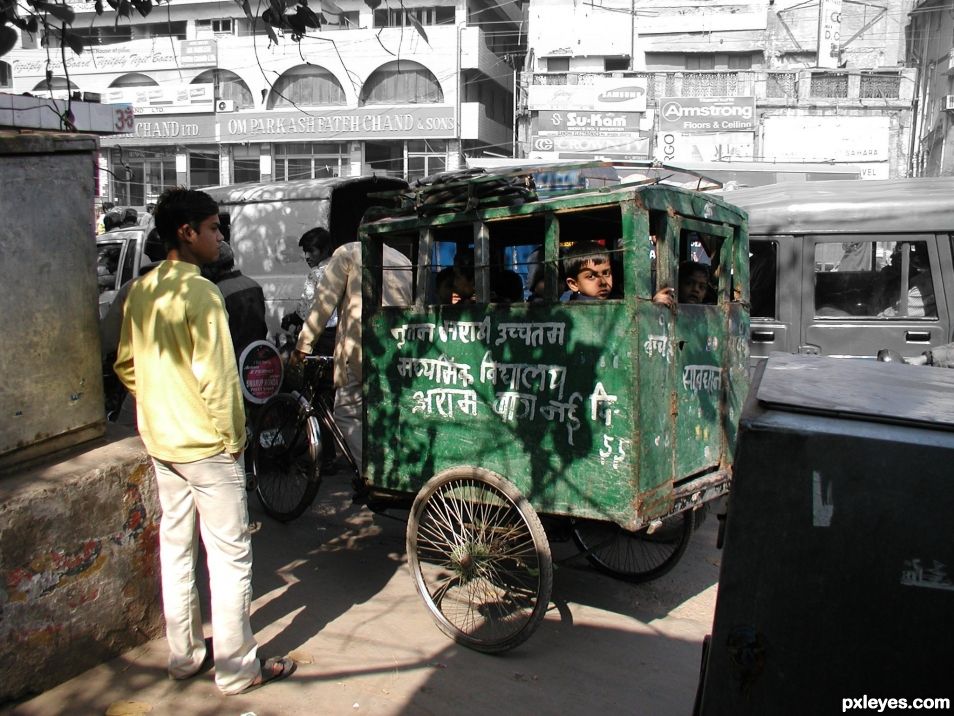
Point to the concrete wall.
(79, 563)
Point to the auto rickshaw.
(507, 419)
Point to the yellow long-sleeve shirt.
(175, 356)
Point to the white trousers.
(210, 492)
(348, 416)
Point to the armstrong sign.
(707, 114)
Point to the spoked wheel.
(480, 559)
(286, 458)
(634, 556)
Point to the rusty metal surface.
(592, 409)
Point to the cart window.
(399, 277)
(874, 279)
(763, 272)
(699, 267)
(516, 258)
(592, 233)
(451, 275)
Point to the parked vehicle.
(845, 268)
(264, 221)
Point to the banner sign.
(415, 122)
(621, 144)
(179, 129)
(627, 94)
(707, 114)
(590, 124)
(694, 147)
(163, 100)
(198, 53)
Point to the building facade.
(212, 101)
(732, 80)
(930, 47)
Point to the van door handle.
(763, 336)
(917, 336)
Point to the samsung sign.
(707, 114)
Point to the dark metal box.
(837, 578)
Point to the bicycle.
(291, 433)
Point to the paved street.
(333, 589)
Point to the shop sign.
(694, 147)
(707, 114)
(590, 124)
(827, 138)
(198, 53)
(184, 129)
(621, 144)
(627, 94)
(135, 56)
(164, 100)
(419, 122)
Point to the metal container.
(837, 579)
(51, 396)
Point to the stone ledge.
(79, 563)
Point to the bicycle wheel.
(634, 556)
(285, 458)
(480, 559)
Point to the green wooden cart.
(510, 419)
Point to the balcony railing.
(775, 86)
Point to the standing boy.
(175, 356)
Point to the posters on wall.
(862, 141)
(677, 147)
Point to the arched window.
(401, 82)
(134, 79)
(306, 86)
(228, 85)
(56, 83)
(6, 75)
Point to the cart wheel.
(634, 556)
(480, 558)
(285, 455)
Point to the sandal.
(272, 669)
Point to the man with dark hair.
(244, 299)
(317, 246)
(175, 357)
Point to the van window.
(873, 278)
(763, 278)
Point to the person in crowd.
(693, 285)
(589, 275)
(921, 301)
(340, 288)
(317, 245)
(455, 284)
(244, 299)
(175, 356)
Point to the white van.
(264, 221)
